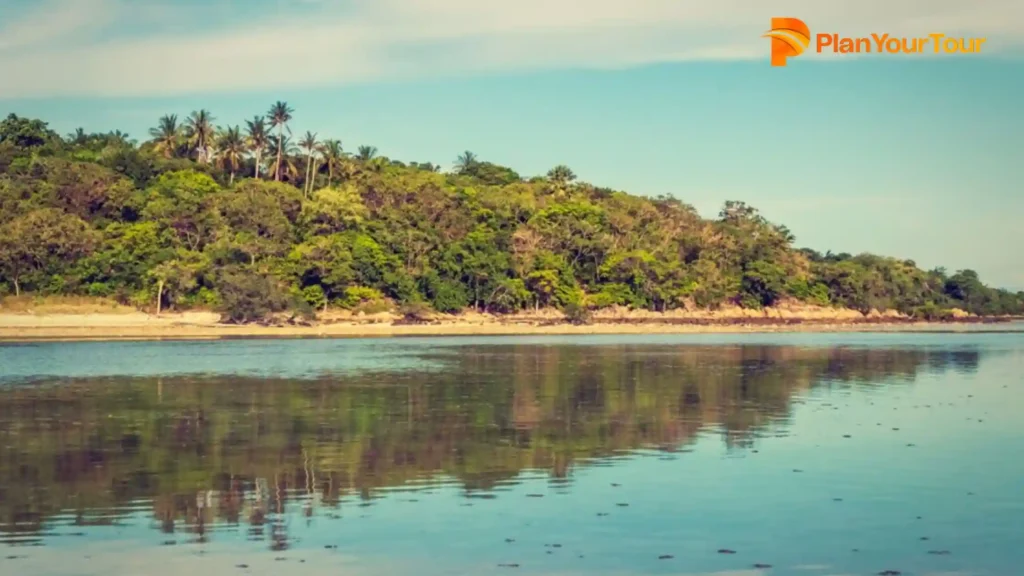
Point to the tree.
(465, 163)
(25, 133)
(257, 226)
(966, 287)
(310, 145)
(324, 261)
(280, 115)
(119, 139)
(231, 147)
(176, 274)
(561, 175)
(763, 284)
(85, 189)
(735, 212)
(41, 241)
(248, 296)
(181, 204)
(256, 140)
(78, 137)
(333, 210)
(286, 161)
(366, 153)
(333, 157)
(98, 215)
(167, 135)
(199, 132)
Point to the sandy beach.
(134, 325)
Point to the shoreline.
(27, 328)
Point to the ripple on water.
(693, 445)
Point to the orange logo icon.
(790, 37)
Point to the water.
(816, 454)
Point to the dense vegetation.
(94, 449)
(251, 222)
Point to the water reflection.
(204, 455)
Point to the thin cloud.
(137, 48)
(53, 21)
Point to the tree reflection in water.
(204, 454)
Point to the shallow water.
(817, 454)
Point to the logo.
(790, 37)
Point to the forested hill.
(250, 220)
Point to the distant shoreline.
(206, 326)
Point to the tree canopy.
(249, 221)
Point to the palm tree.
(561, 175)
(287, 150)
(333, 156)
(78, 137)
(309, 144)
(118, 138)
(256, 139)
(231, 147)
(200, 132)
(465, 162)
(280, 114)
(166, 135)
(367, 153)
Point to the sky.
(916, 156)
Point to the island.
(209, 231)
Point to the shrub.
(314, 296)
(510, 295)
(762, 284)
(932, 313)
(611, 295)
(447, 296)
(250, 297)
(357, 295)
(99, 289)
(577, 314)
(415, 313)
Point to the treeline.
(250, 222)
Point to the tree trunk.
(307, 188)
(280, 143)
(159, 296)
(258, 158)
(231, 180)
(17, 288)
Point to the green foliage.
(612, 295)
(151, 224)
(358, 295)
(763, 284)
(510, 295)
(25, 133)
(314, 296)
(445, 295)
(247, 296)
(931, 312)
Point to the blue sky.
(919, 157)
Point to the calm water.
(815, 454)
